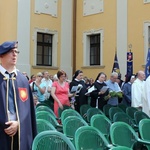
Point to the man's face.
(46, 75)
(10, 58)
(114, 78)
(142, 76)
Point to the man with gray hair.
(48, 83)
(113, 87)
(138, 91)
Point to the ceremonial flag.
(147, 66)
(129, 64)
(116, 65)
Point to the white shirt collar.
(3, 70)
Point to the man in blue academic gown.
(17, 116)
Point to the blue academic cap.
(7, 46)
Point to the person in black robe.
(80, 98)
(17, 127)
(98, 95)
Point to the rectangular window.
(44, 49)
(95, 49)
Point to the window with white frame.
(45, 47)
(94, 49)
(92, 43)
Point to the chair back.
(144, 125)
(83, 110)
(121, 116)
(112, 112)
(139, 115)
(93, 111)
(69, 112)
(45, 108)
(106, 109)
(123, 107)
(130, 111)
(71, 124)
(122, 134)
(44, 125)
(53, 140)
(89, 138)
(47, 116)
(102, 123)
(61, 110)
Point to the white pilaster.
(23, 35)
(122, 45)
(66, 37)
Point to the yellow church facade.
(77, 34)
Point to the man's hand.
(12, 129)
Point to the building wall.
(8, 20)
(122, 22)
(105, 21)
(136, 32)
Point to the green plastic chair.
(123, 107)
(41, 104)
(43, 125)
(106, 109)
(102, 123)
(93, 111)
(69, 112)
(130, 112)
(90, 138)
(144, 126)
(71, 124)
(52, 140)
(83, 110)
(112, 112)
(46, 108)
(123, 117)
(61, 110)
(139, 115)
(123, 134)
(49, 117)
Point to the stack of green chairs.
(123, 134)
(102, 123)
(52, 140)
(44, 125)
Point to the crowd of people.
(19, 95)
(133, 91)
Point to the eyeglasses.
(14, 51)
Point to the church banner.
(116, 65)
(129, 64)
(147, 66)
